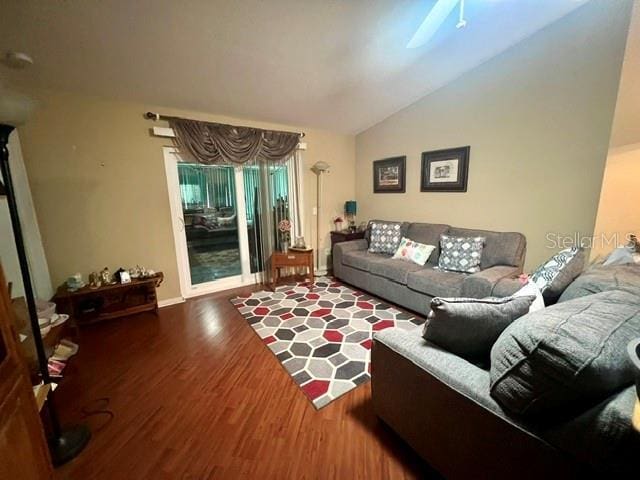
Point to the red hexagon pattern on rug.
(382, 324)
(315, 388)
(332, 335)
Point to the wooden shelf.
(90, 305)
(27, 346)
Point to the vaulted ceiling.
(334, 64)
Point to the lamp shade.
(15, 108)
(320, 167)
(350, 207)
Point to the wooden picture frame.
(445, 170)
(389, 175)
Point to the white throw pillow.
(413, 251)
(528, 289)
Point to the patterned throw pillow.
(385, 237)
(413, 251)
(558, 267)
(460, 254)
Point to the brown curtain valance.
(212, 143)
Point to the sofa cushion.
(394, 269)
(565, 355)
(385, 236)
(602, 279)
(435, 283)
(555, 275)
(469, 326)
(362, 259)
(500, 248)
(428, 233)
(460, 254)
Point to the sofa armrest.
(339, 249)
(343, 247)
(482, 284)
(440, 405)
(449, 368)
(507, 287)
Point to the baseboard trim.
(170, 301)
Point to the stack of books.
(62, 353)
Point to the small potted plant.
(338, 223)
(284, 226)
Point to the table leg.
(274, 272)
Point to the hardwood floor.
(196, 395)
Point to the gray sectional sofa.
(468, 423)
(413, 286)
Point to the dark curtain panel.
(215, 143)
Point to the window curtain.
(270, 197)
(216, 143)
(272, 175)
(205, 188)
(296, 195)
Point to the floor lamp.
(319, 168)
(63, 444)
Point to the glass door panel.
(210, 212)
(254, 178)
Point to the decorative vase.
(338, 226)
(285, 246)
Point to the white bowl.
(59, 319)
(44, 322)
(44, 331)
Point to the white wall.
(40, 279)
(618, 212)
(537, 118)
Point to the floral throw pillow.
(413, 251)
(460, 254)
(385, 237)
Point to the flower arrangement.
(338, 223)
(284, 226)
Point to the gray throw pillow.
(557, 273)
(469, 327)
(384, 237)
(566, 357)
(460, 254)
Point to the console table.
(90, 305)
(290, 259)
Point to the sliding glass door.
(219, 214)
(210, 213)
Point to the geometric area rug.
(321, 333)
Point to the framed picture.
(389, 175)
(445, 170)
(125, 277)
